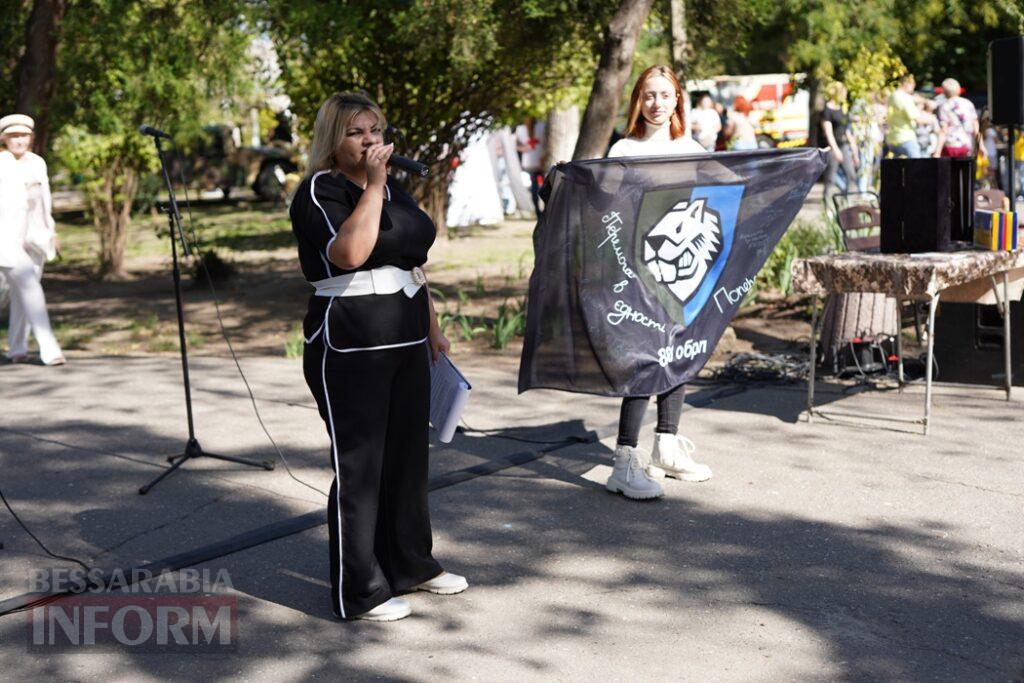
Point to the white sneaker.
(673, 457)
(445, 583)
(392, 610)
(628, 476)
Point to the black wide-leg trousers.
(375, 405)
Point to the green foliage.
(87, 155)
(440, 69)
(933, 38)
(465, 326)
(12, 45)
(802, 240)
(731, 36)
(870, 73)
(127, 62)
(122, 63)
(295, 345)
(510, 322)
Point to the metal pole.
(1006, 333)
(899, 345)
(928, 370)
(1012, 191)
(814, 360)
(176, 270)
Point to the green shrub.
(802, 240)
(511, 321)
(295, 344)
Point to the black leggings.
(375, 405)
(670, 408)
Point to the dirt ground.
(473, 272)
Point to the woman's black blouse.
(321, 204)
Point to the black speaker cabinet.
(969, 344)
(1006, 81)
(927, 204)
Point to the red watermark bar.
(166, 622)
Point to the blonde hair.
(333, 117)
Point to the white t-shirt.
(708, 124)
(532, 158)
(24, 185)
(659, 144)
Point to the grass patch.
(295, 345)
(228, 227)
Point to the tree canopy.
(440, 69)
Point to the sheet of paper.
(449, 393)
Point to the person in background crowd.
(722, 141)
(928, 131)
(989, 136)
(742, 135)
(903, 116)
(27, 240)
(958, 122)
(835, 125)
(866, 131)
(706, 122)
(530, 144)
(1018, 171)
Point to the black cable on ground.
(36, 538)
(464, 428)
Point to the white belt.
(383, 280)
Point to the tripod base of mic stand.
(194, 450)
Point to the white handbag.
(40, 236)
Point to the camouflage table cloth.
(904, 276)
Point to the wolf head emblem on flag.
(682, 245)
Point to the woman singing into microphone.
(369, 328)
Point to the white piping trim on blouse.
(379, 348)
(327, 265)
(325, 329)
(312, 195)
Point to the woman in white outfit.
(656, 127)
(27, 239)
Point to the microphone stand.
(192, 447)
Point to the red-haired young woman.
(656, 127)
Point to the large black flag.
(641, 263)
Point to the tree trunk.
(815, 138)
(677, 30)
(112, 213)
(37, 67)
(561, 133)
(612, 71)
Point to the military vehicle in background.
(217, 161)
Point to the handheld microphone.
(150, 130)
(409, 165)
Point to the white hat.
(16, 123)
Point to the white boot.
(673, 457)
(628, 476)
